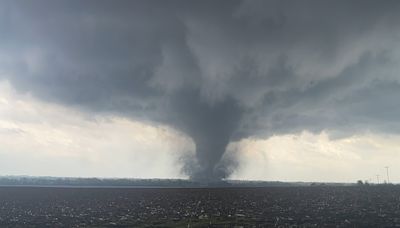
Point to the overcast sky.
(266, 90)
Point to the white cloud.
(39, 138)
(316, 157)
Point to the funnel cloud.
(216, 71)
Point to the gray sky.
(281, 90)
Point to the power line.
(387, 174)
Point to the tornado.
(211, 127)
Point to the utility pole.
(377, 179)
(387, 173)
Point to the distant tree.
(360, 182)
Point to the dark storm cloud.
(218, 71)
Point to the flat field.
(319, 206)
